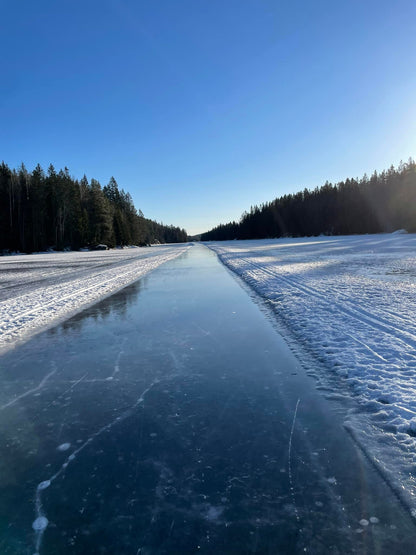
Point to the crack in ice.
(41, 522)
(29, 392)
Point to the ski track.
(351, 301)
(38, 291)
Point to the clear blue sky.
(201, 108)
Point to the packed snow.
(39, 290)
(351, 303)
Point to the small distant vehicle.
(100, 247)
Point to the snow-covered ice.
(40, 290)
(351, 302)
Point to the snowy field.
(351, 303)
(40, 290)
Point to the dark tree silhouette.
(53, 210)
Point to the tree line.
(382, 203)
(41, 210)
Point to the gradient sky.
(201, 108)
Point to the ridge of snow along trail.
(40, 290)
(351, 302)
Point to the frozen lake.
(172, 418)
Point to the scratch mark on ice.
(290, 461)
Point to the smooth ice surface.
(351, 301)
(209, 438)
(39, 290)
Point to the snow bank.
(351, 301)
(38, 291)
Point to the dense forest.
(382, 203)
(41, 210)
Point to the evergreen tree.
(382, 203)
